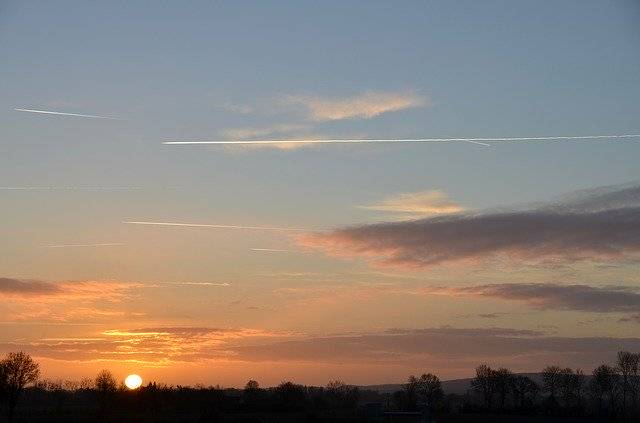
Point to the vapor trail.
(408, 140)
(222, 284)
(272, 250)
(43, 188)
(202, 225)
(106, 244)
(50, 112)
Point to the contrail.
(481, 141)
(44, 188)
(50, 112)
(106, 244)
(202, 225)
(272, 250)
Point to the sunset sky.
(364, 262)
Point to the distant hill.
(453, 386)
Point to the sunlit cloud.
(253, 132)
(549, 233)
(64, 301)
(151, 347)
(453, 347)
(50, 112)
(417, 204)
(66, 289)
(364, 106)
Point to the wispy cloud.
(213, 226)
(64, 301)
(546, 233)
(417, 204)
(254, 132)
(364, 106)
(27, 287)
(51, 112)
(634, 318)
(611, 299)
(151, 346)
(445, 347)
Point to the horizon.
(417, 187)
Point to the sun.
(133, 381)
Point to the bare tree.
(524, 391)
(502, 382)
(551, 378)
(570, 387)
(627, 366)
(483, 384)
(18, 370)
(430, 389)
(106, 387)
(602, 386)
(410, 394)
(342, 395)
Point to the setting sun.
(133, 381)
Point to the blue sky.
(203, 70)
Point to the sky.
(215, 264)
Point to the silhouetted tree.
(524, 391)
(18, 371)
(106, 386)
(341, 395)
(483, 383)
(627, 365)
(251, 393)
(251, 385)
(551, 377)
(291, 396)
(502, 383)
(409, 398)
(430, 389)
(570, 387)
(602, 386)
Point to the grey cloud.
(555, 296)
(27, 287)
(598, 225)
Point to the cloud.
(253, 132)
(555, 296)
(151, 346)
(549, 233)
(364, 106)
(66, 301)
(418, 204)
(20, 287)
(445, 347)
(27, 288)
(634, 318)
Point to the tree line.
(609, 392)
